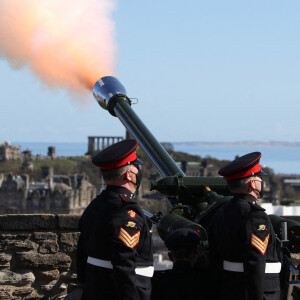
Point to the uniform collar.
(249, 198)
(117, 189)
(124, 193)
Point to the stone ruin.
(58, 194)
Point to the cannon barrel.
(176, 185)
(111, 95)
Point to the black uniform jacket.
(183, 282)
(241, 232)
(113, 228)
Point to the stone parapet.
(37, 256)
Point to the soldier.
(185, 280)
(242, 241)
(114, 256)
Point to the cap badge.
(131, 224)
(262, 228)
(131, 213)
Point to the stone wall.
(37, 256)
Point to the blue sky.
(201, 70)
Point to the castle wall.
(37, 256)
(18, 196)
(10, 152)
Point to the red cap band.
(120, 163)
(246, 173)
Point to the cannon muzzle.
(106, 90)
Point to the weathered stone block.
(28, 222)
(68, 277)
(17, 279)
(48, 247)
(68, 222)
(54, 285)
(47, 242)
(6, 292)
(22, 245)
(47, 275)
(19, 241)
(54, 288)
(49, 236)
(21, 292)
(68, 241)
(5, 259)
(32, 259)
(10, 236)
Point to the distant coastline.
(194, 143)
(282, 157)
(243, 144)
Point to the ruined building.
(98, 143)
(10, 152)
(56, 194)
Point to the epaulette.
(252, 202)
(255, 206)
(128, 197)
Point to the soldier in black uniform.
(186, 280)
(114, 255)
(242, 241)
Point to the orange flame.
(68, 44)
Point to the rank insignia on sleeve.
(127, 239)
(260, 244)
(131, 213)
(131, 224)
(262, 228)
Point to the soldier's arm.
(257, 238)
(127, 228)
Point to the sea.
(283, 160)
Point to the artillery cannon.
(193, 199)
